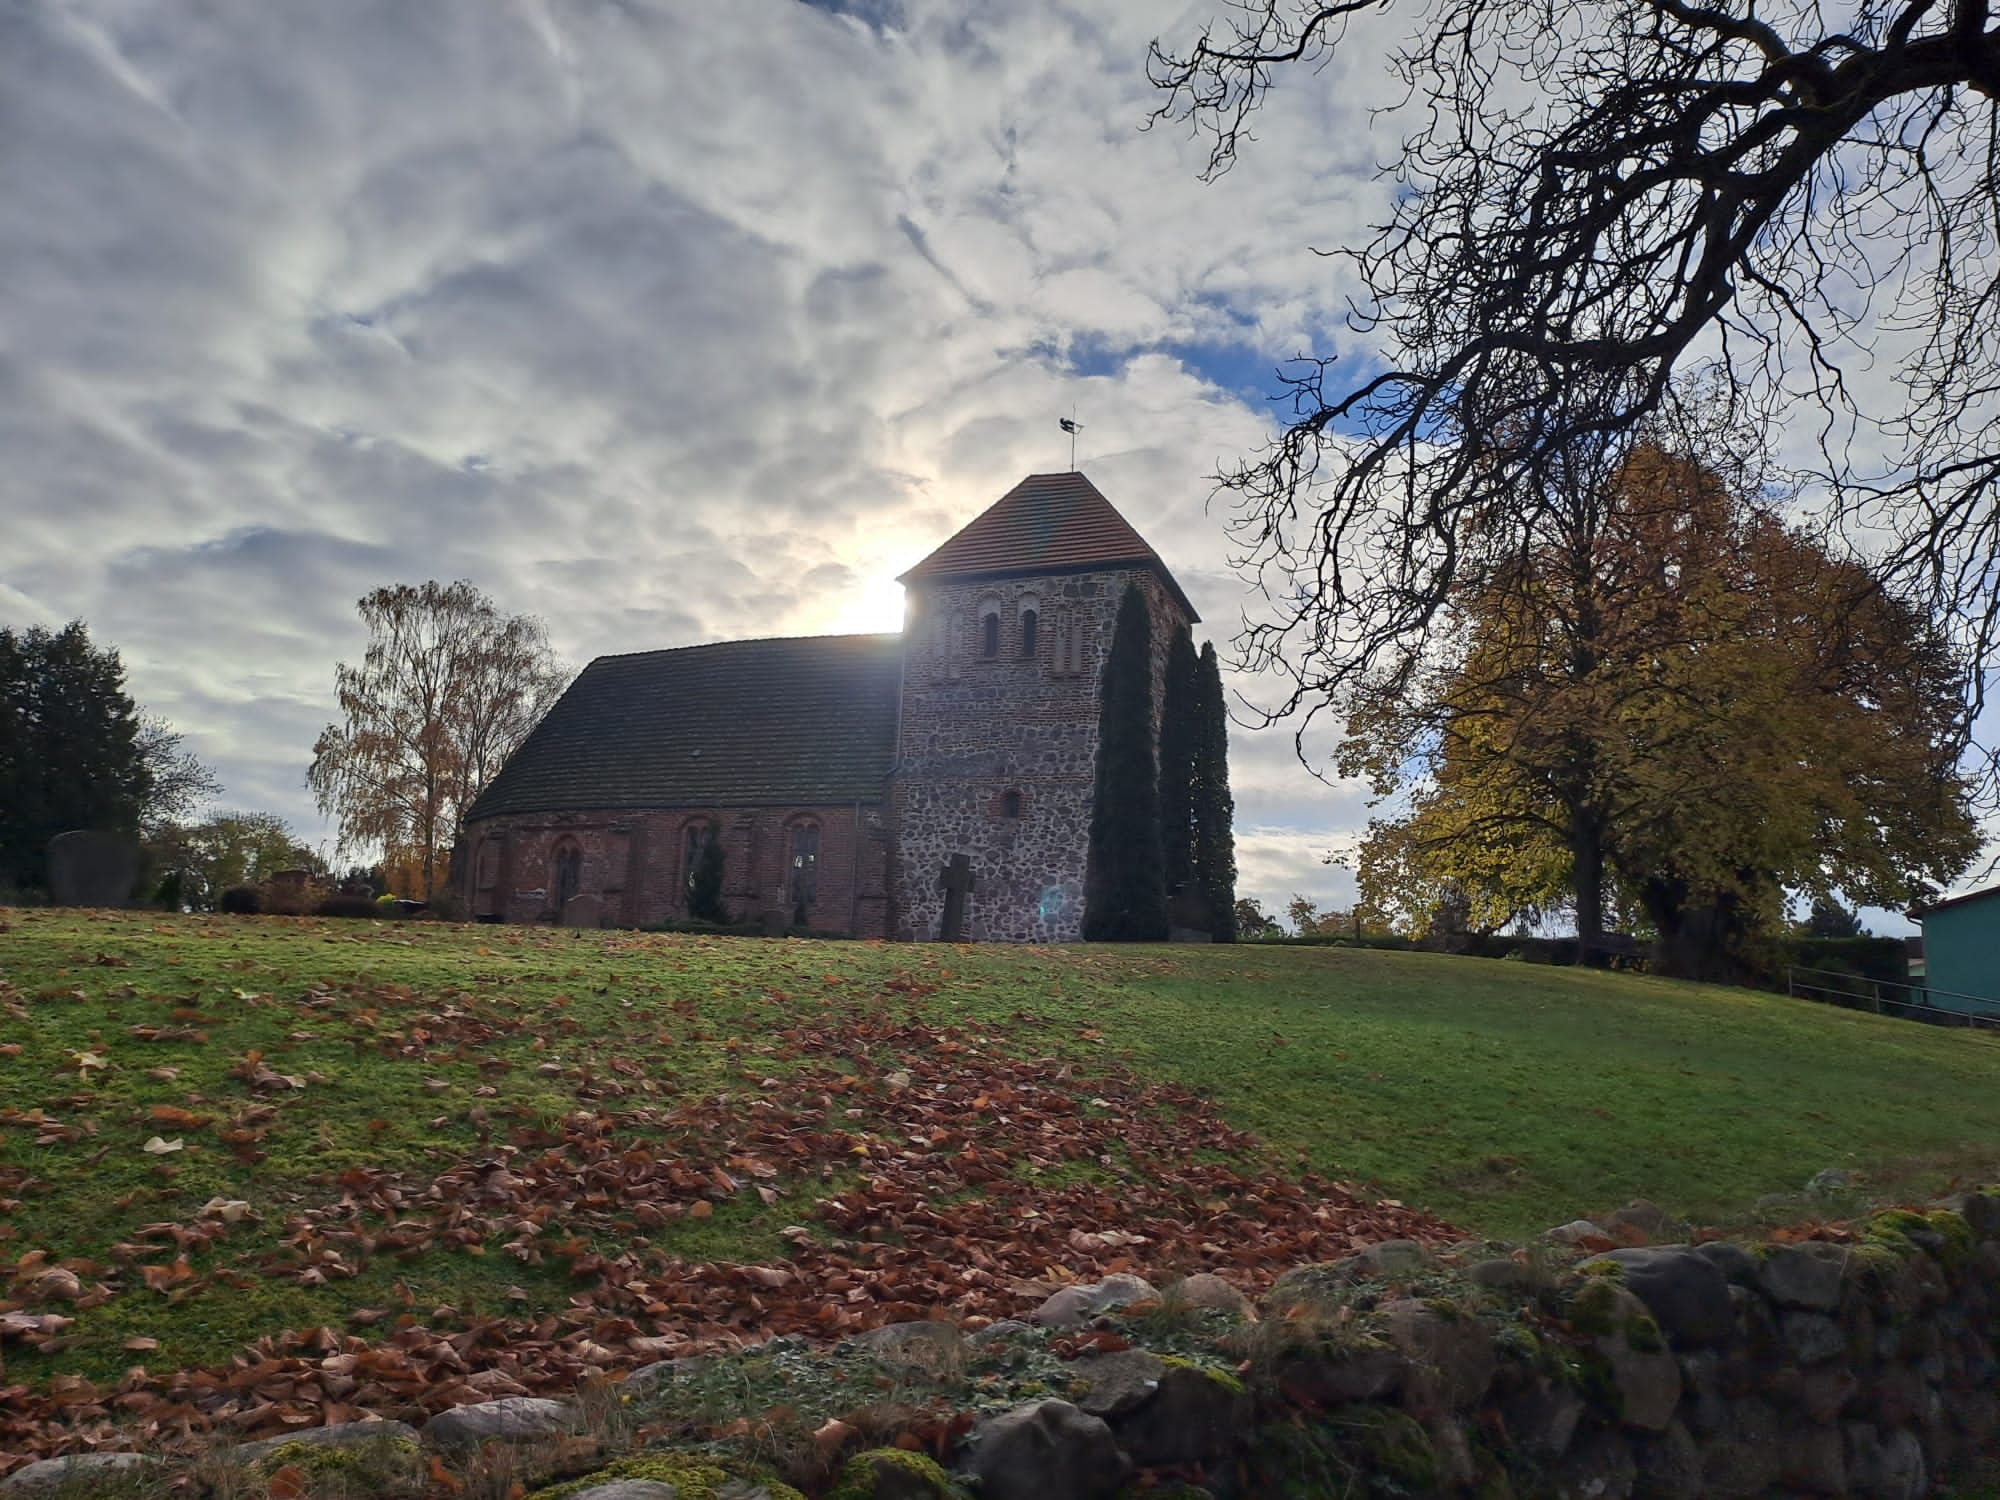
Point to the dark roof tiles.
(801, 721)
(1048, 523)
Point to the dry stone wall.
(1866, 1365)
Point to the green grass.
(1502, 1096)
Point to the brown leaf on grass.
(944, 1217)
(56, 1284)
(166, 1278)
(175, 1118)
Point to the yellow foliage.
(1696, 689)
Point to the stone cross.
(959, 883)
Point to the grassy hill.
(214, 1129)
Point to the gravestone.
(583, 911)
(959, 883)
(89, 867)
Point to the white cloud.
(665, 321)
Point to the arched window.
(693, 837)
(1031, 622)
(989, 632)
(805, 870)
(568, 880)
(1010, 805)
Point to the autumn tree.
(1702, 711)
(448, 688)
(1585, 200)
(1125, 888)
(1214, 810)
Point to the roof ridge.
(752, 640)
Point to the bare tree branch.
(1589, 199)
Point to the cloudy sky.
(666, 320)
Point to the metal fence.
(1889, 997)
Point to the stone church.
(845, 774)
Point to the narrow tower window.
(989, 633)
(1010, 805)
(1030, 627)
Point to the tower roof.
(1048, 523)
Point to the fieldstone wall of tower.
(997, 753)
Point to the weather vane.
(1070, 425)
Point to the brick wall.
(974, 728)
(635, 862)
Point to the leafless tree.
(1589, 197)
(177, 781)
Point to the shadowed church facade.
(844, 774)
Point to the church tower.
(1006, 630)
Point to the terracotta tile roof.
(1048, 523)
(808, 720)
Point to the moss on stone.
(1603, 1266)
(1589, 1374)
(362, 1468)
(1593, 1308)
(857, 1479)
(1892, 1228)
(1879, 1262)
(1516, 1341)
(1225, 1378)
(331, 1458)
(1959, 1240)
(693, 1478)
(1293, 1461)
(1395, 1446)
(1642, 1332)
